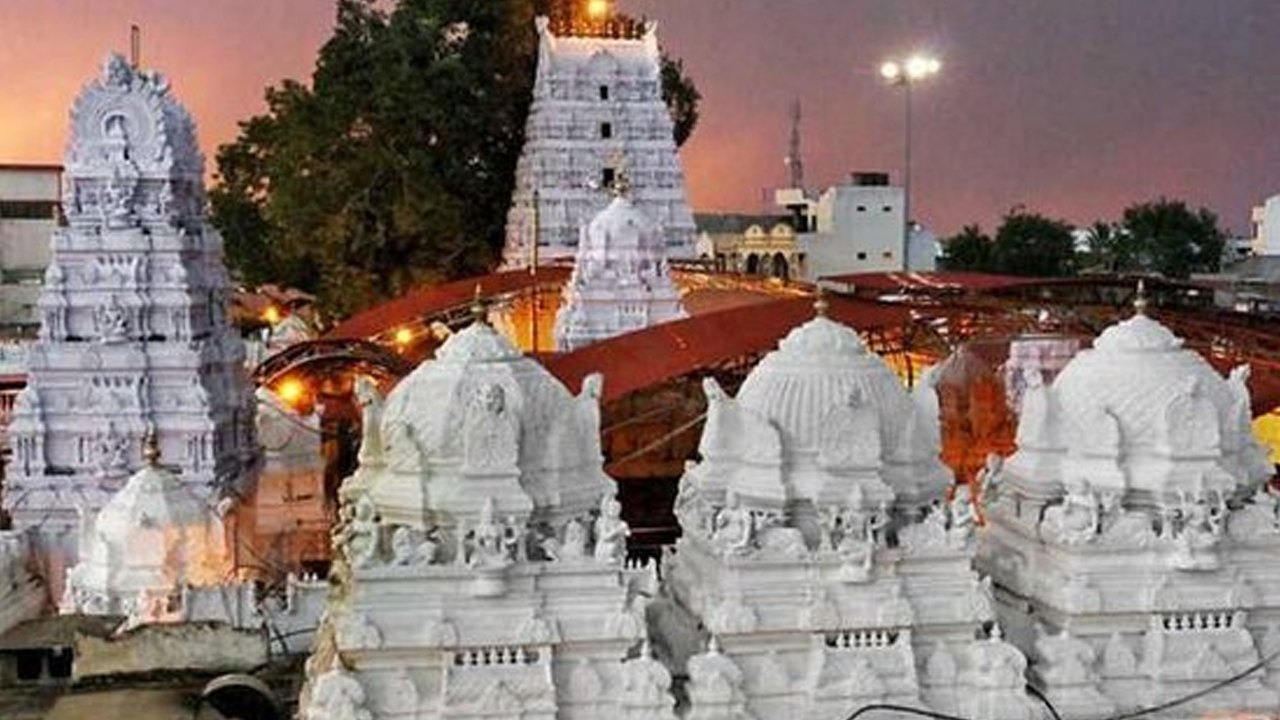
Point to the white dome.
(622, 226)
(153, 498)
(428, 430)
(815, 369)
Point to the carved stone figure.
(369, 399)
(492, 432)
(1074, 521)
(611, 532)
(337, 695)
(735, 528)
(1065, 660)
(1036, 421)
(362, 534)
(113, 322)
(489, 548)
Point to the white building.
(858, 227)
(1131, 536)
(29, 199)
(134, 336)
(806, 555)
(597, 112)
(480, 565)
(1266, 227)
(621, 282)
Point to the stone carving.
(611, 532)
(929, 534)
(734, 528)
(337, 695)
(357, 632)
(715, 686)
(369, 399)
(1065, 660)
(113, 453)
(1036, 428)
(1076, 520)
(646, 688)
(362, 535)
(408, 549)
(491, 544)
(1118, 659)
(1199, 530)
(492, 435)
(1257, 520)
(994, 663)
(850, 436)
(112, 321)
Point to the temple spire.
(1140, 301)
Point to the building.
(1266, 227)
(821, 553)
(857, 227)
(481, 562)
(30, 197)
(1132, 534)
(134, 337)
(750, 245)
(621, 280)
(597, 112)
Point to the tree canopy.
(1167, 237)
(1026, 243)
(395, 166)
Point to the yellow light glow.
(890, 71)
(922, 66)
(271, 315)
(404, 336)
(291, 390)
(597, 9)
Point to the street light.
(904, 74)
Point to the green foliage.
(971, 250)
(1028, 243)
(681, 96)
(1167, 237)
(395, 167)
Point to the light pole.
(904, 75)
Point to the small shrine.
(1132, 536)
(822, 554)
(621, 281)
(480, 561)
(147, 549)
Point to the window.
(604, 92)
(862, 256)
(28, 209)
(887, 255)
(862, 208)
(606, 130)
(888, 208)
(607, 178)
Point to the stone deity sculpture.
(611, 532)
(370, 402)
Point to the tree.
(1030, 244)
(395, 166)
(971, 250)
(1167, 237)
(681, 96)
(1107, 249)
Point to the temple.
(133, 336)
(1132, 535)
(821, 553)
(597, 107)
(481, 558)
(621, 281)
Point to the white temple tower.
(480, 566)
(821, 553)
(134, 335)
(1131, 536)
(621, 282)
(597, 107)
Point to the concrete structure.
(820, 551)
(30, 196)
(134, 337)
(621, 281)
(597, 112)
(1131, 535)
(21, 596)
(1266, 227)
(766, 246)
(857, 227)
(480, 567)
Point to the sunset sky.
(1072, 107)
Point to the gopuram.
(134, 338)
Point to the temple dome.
(622, 226)
(1141, 411)
(815, 368)
(480, 408)
(151, 539)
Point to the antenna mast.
(795, 164)
(135, 46)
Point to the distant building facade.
(597, 112)
(857, 227)
(1266, 227)
(764, 246)
(29, 206)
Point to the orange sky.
(1073, 107)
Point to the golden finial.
(820, 304)
(621, 185)
(1140, 302)
(479, 313)
(151, 448)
